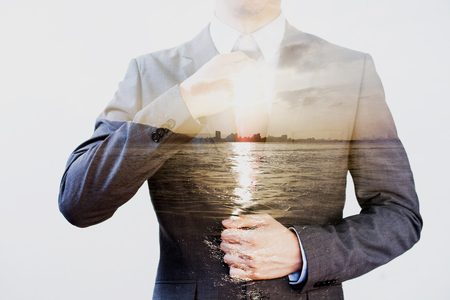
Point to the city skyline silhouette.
(257, 138)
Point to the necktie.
(251, 121)
(251, 114)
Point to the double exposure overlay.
(274, 150)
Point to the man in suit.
(288, 239)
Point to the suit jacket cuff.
(169, 105)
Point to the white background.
(60, 62)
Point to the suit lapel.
(296, 70)
(198, 52)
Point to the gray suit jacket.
(324, 93)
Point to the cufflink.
(159, 133)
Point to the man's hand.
(211, 89)
(259, 247)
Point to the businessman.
(259, 220)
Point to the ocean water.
(282, 179)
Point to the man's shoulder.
(297, 39)
(172, 57)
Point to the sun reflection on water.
(246, 168)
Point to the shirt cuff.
(299, 276)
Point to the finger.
(241, 262)
(230, 248)
(244, 237)
(238, 250)
(232, 57)
(235, 255)
(237, 68)
(239, 273)
(245, 221)
(248, 64)
(212, 86)
(234, 236)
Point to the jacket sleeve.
(125, 150)
(389, 222)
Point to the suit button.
(255, 295)
(325, 283)
(160, 132)
(155, 137)
(165, 128)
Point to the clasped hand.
(259, 247)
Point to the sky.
(60, 65)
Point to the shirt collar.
(268, 38)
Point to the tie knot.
(248, 45)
